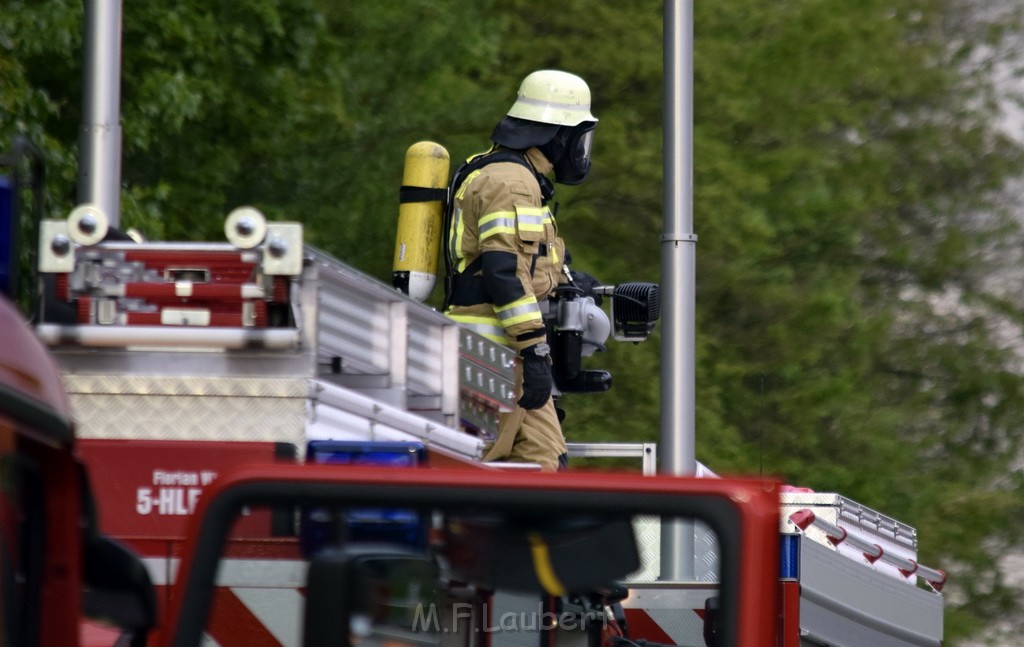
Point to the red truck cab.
(55, 567)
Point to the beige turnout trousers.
(529, 436)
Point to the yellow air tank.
(420, 215)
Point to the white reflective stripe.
(262, 572)
(532, 216)
(280, 611)
(519, 311)
(236, 572)
(572, 107)
(269, 589)
(532, 223)
(500, 222)
(682, 626)
(208, 641)
(162, 570)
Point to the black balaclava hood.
(521, 134)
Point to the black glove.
(587, 283)
(537, 380)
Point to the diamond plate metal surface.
(706, 559)
(226, 409)
(648, 536)
(187, 386)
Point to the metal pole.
(99, 143)
(678, 280)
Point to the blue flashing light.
(789, 564)
(357, 452)
(322, 527)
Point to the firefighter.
(504, 254)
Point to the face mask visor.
(574, 166)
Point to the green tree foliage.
(852, 335)
(300, 107)
(848, 177)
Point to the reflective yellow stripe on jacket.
(519, 311)
(458, 227)
(499, 222)
(532, 219)
(489, 327)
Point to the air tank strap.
(407, 194)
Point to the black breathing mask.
(569, 152)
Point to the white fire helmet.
(553, 97)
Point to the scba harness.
(466, 288)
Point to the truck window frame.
(742, 512)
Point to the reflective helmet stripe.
(568, 104)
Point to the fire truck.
(457, 563)
(234, 542)
(196, 368)
(250, 442)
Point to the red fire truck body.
(220, 560)
(163, 409)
